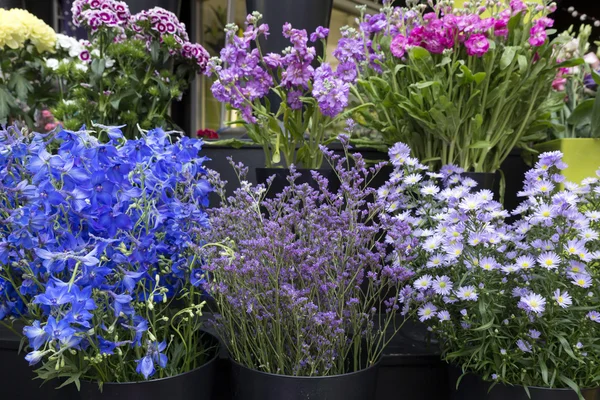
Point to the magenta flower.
(517, 6)
(538, 35)
(501, 27)
(398, 45)
(477, 45)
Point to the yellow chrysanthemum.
(17, 26)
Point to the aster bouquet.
(457, 86)
(579, 112)
(95, 260)
(516, 304)
(25, 86)
(310, 99)
(298, 278)
(130, 71)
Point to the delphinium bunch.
(94, 252)
(460, 86)
(516, 304)
(130, 71)
(309, 98)
(25, 87)
(298, 279)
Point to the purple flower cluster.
(244, 75)
(162, 22)
(95, 14)
(532, 282)
(305, 271)
(91, 236)
(445, 29)
(156, 25)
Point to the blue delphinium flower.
(96, 238)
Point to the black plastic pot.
(485, 180)
(8, 4)
(305, 14)
(249, 384)
(195, 384)
(474, 388)
(136, 6)
(280, 178)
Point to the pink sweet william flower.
(398, 45)
(537, 35)
(477, 45)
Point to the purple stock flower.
(330, 91)
(319, 33)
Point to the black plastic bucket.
(485, 180)
(250, 384)
(474, 388)
(196, 384)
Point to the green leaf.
(582, 113)
(155, 51)
(479, 77)
(21, 85)
(566, 347)
(543, 370)
(595, 118)
(445, 60)
(233, 142)
(596, 77)
(514, 22)
(72, 379)
(507, 57)
(6, 102)
(419, 53)
(523, 64)
(570, 63)
(485, 326)
(481, 145)
(423, 85)
(570, 384)
(97, 67)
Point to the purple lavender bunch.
(298, 278)
(311, 98)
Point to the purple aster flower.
(443, 315)
(593, 316)
(427, 312)
(534, 334)
(524, 346)
(442, 285)
(468, 293)
(582, 280)
(534, 303)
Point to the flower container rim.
(375, 365)
(523, 386)
(212, 360)
(548, 388)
